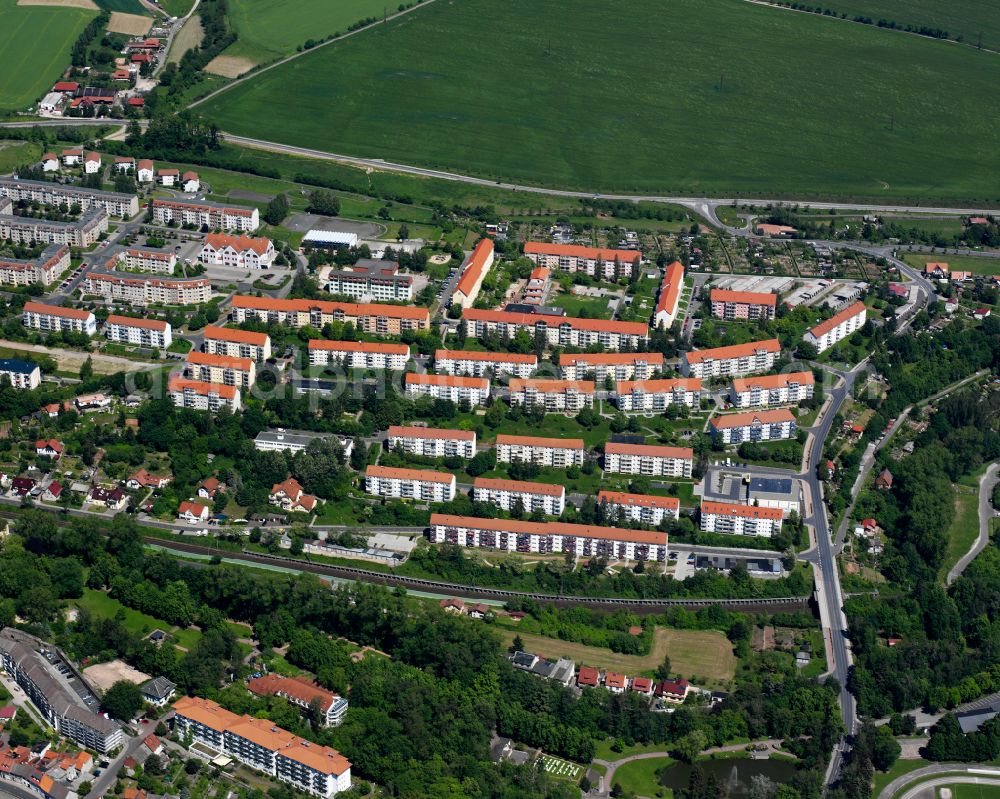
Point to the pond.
(734, 775)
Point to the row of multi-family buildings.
(46, 193)
(147, 290)
(45, 269)
(82, 232)
(374, 319)
(557, 331)
(604, 264)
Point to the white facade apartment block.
(768, 425)
(202, 396)
(762, 392)
(359, 354)
(144, 291)
(44, 269)
(553, 396)
(583, 540)
(620, 366)
(144, 259)
(838, 327)
(418, 484)
(478, 364)
(505, 494)
(642, 508)
(472, 390)
(651, 461)
(558, 331)
(733, 361)
(597, 262)
(26, 230)
(433, 443)
(220, 369)
(555, 452)
(657, 395)
(54, 318)
(200, 212)
(138, 332)
(237, 343)
(54, 194)
(720, 517)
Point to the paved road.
(972, 774)
(101, 785)
(986, 512)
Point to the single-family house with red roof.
(588, 677)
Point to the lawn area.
(574, 305)
(639, 777)
(965, 791)
(562, 769)
(962, 263)
(36, 43)
(15, 154)
(872, 133)
(899, 768)
(100, 604)
(271, 28)
(964, 528)
(706, 654)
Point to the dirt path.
(72, 360)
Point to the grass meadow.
(978, 265)
(704, 99)
(272, 28)
(35, 42)
(125, 6)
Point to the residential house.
(49, 448)
(192, 512)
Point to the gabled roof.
(838, 318)
(660, 386)
(392, 473)
(519, 486)
(744, 297)
(374, 347)
(414, 379)
(201, 387)
(399, 431)
(551, 386)
(741, 384)
(577, 251)
(489, 357)
(609, 358)
(194, 508)
(132, 321)
(648, 450)
(773, 416)
(742, 511)
(536, 441)
(57, 310)
(638, 500)
(474, 270)
(220, 241)
(734, 351)
(234, 334)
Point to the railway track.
(446, 589)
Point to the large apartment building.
(733, 305)
(657, 395)
(552, 396)
(202, 396)
(761, 392)
(224, 369)
(302, 693)
(735, 360)
(669, 298)
(56, 318)
(239, 252)
(507, 494)
(721, 517)
(204, 213)
(649, 460)
(28, 230)
(21, 374)
(432, 442)
(148, 290)
(46, 193)
(237, 343)
(472, 390)
(558, 331)
(837, 327)
(370, 280)
(776, 424)
(144, 259)
(154, 333)
(595, 261)
(559, 453)
(420, 484)
(478, 364)
(474, 271)
(371, 318)
(642, 508)
(584, 540)
(59, 693)
(45, 269)
(308, 767)
(359, 354)
(617, 365)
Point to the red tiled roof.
(648, 450)
(744, 511)
(609, 358)
(577, 251)
(200, 387)
(324, 306)
(56, 310)
(744, 297)
(398, 431)
(773, 416)
(66, 86)
(531, 320)
(131, 321)
(300, 689)
(638, 500)
(426, 475)
(477, 263)
(670, 288)
(491, 357)
(519, 486)
(195, 508)
(382, 348)
(233, 334)
(413, 379)
(734, 351)
(223, 361)
(741, 384)
(587, 676)
(552, 386)
(535, 441)
(657, 386)
(219, 241)
(838, 318)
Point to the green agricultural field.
(125, 6)
(962, 263)
(272, 28)
(659, 101)
(961, 18)
(36, 43)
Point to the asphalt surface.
(986, 512)
(973, 774)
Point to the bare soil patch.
(90, 5)
(230, 66)
(103, 675)
(129, 24)
(188, 37)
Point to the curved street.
(961, 772)
(987, 483)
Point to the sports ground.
(703, 99)
(35, 42)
